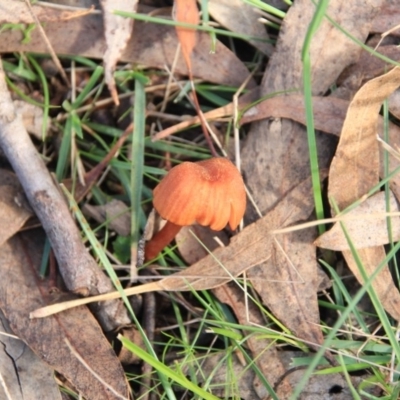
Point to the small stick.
(48, 45)
(77, 267)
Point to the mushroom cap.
(209, 192)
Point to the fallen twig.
(77, 267)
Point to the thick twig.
(77, 267)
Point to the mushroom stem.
(161, 239)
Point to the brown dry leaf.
(21, 292)
(14, 208)
(117, 31)
(355, 170)
(394, 162)
(152, 45)
(355, 166)
(126, 356)
(241, 18)
(329, 112)
(189, 246)
(15, 12)
(22, 372)
(275, 157)
(263, 351)
(394, 103)
(367, 226)
(288, 281)
(13, 214)
(115, 213)
(388, 18)
(329, 115)
(186, 11)
(368, 67)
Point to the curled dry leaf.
(355, 166)
(186, 11)
(21, 292)
(13, 214)
(22, 372)
(125, 356)
(14, 208)
(355, 170)
(117, 31)
(367, 226)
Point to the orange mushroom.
(209, 192)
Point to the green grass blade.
(386, 168)
(205, 28)
(137, 162)
(20, 70)
(46, 94)
(266, 7)
(348, 379)
(374, 297)
(96, 246)
(350, 308)
(347, 296)
(205, 16)
(88, 87)
(312, 144)
(63, 155)
(167, 371)
(100, 253)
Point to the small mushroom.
(209, 192)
